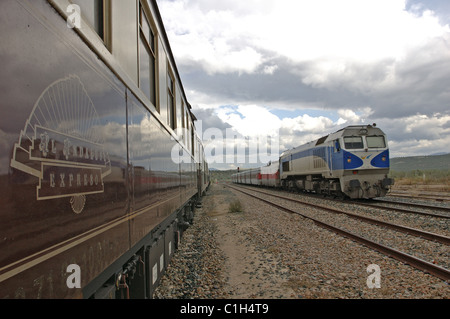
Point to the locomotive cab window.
(375, 142)
(353, 142)
(337, 146)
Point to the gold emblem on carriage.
(61, 145)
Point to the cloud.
(219, 43)
(342, 62)
(308, 124)
(250, 120)
(355, 30)
(309, 48)
(237, 125)
(349, 116)
(440, 8)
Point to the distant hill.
(222, 176)
(432, 162)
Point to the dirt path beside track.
(262, 253)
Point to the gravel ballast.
(261, 252)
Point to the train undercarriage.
(347, 186)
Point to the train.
(101, 166)
(350, 163)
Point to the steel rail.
(403, 210)
(418, 263)
(397, 209)
(404, 229)
(437, 198)
(445, 209)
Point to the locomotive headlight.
(349, 160)
(383, 158)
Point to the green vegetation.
(423, 163)
(235, 207)
(421, 170)
(418, 176)
(222, 176)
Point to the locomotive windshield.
(357, 142)
(353, 142)
(376, 142)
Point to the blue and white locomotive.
(353, 161)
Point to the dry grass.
(431, 180)
(235, 207)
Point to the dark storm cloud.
(206, 118)
(397, 68)
(421, 86)
(281, 87)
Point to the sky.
(299, 69)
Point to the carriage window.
(353, 142)
(147, 58)
(192, 141)
(182, 114)
(93, 12)
(375, 142)
(171, 101)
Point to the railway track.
(419, 209)
(386, 207)
(445, 211)
(438, 198)
(419, 263)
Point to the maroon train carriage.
(94, 197)
(270, 174)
